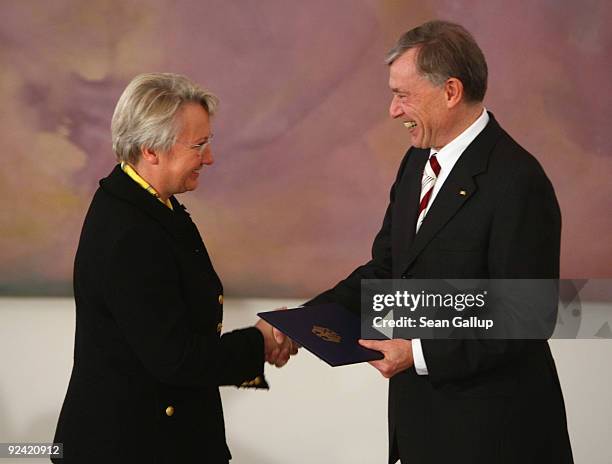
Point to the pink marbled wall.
(305, 151)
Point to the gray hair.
(446, 50)
(145, 115)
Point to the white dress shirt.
(447, 156)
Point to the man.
(468, 202)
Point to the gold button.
(169, 411)
(219, 327)
(257, 380)
(220, 299)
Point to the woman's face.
(181, 166)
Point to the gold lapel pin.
(463, 193)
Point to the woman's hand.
(278, 347)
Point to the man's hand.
(278, 347)
(398, 355)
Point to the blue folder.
(329, 331)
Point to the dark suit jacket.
(484, 401)
(148, 356)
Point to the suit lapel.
(458, 188)
(409, 198)
(447, 203)
(176, 222)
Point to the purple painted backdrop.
(305, 151)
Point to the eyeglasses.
(199, 146)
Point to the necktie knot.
(435, 166)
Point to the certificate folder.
(329, 331)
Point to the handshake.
(278, 347)
(397, 353)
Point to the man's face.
(181, 165)
(417, 102)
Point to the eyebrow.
(203, 138)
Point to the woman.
(149, 355)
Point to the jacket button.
(257, 380)
(219, 327)
(169, 411)
(220, 299)
(403, 276)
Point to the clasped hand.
(278, 347)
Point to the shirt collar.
(130, 171)
(450, 153)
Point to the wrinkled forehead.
(403, 71)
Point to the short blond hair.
(146, 113)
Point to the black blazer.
(484, 401)
(149, 356)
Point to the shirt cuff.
(419, 360)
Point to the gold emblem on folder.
(326, 334)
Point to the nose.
(207, 157)
(395, 109)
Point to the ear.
(149, 155)
(453, 92)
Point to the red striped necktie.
(430, 174)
